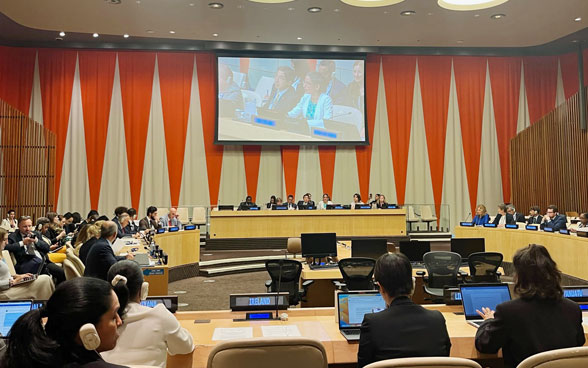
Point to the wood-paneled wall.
(549, 162)
(27, 164)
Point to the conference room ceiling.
(527, 22)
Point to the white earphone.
(89, 336)
(144, 290)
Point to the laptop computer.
(352, 306)
(415, 250)
(369, 248)
(10, 311)
(476, 296)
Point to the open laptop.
(10, 311)
(352, 306)
(476, 296)
(369, 248)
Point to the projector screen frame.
(290, 55)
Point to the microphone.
(343, 114)
(278, 289)
(466, 219)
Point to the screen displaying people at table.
(290, 100)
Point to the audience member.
(101, 256)
(314, 106)
(553, 219)
(404, 329)
(171, 219)
(282, 97)
(10, 223)
(132, 227)
(481, 216)
(333, 86)
(354, 94)
(151, 221)
(323, 204)
(301, 68)
(11, 286)
(67, 223)
(229, 93)
(56, 251)
(81, 321)
(356, 200)
(88, 237)
(582, 224)
(503, 218)
(290, 202)
(518, 217)
(147, 335)
(50, 228)
(122, 224)
(30, 251)
(247, 204)
(92, 216)
(534, 216)
(305, 202)
(540, 319)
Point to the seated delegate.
(323, 204)
(356, 200)
(404, 329)
(534, 216)
(314, 106)
(305, 202)
(482, 216)
(553, 219)
(503, 218)
(582, 224)
(540, 319)
(247, 204)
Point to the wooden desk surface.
(182, 247)
(569, 251)
(283, 224)
(319, 323)
(157, 276)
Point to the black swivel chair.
(442, 272)
(357, 274)
(484, 267)
(290, 277)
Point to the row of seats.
(72, 265)
(309, 353)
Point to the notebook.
(10, 311)
(352, 306)
(476, 296)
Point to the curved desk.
(285, 224)
(569, 251)
(182, 247)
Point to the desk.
(182, 247)
(284, 224)
(156, 276)
(569, 251)
(319, 323)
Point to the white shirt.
(147, 335)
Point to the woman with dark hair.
(356, 200)
(540, 320)
(148, 334)
(271, 202)
(81, 322)
(314, 105)
(10, 223)
(44, 228)
(322, 205)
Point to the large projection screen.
(277, 100)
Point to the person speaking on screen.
(229, 93)
(283, 96)
(314, 106)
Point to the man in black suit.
(499, 221)
(151, 221)
(283, 97)
(518, 217)
(243, 206)
(534, 216)
(553, 219)
(101, 256)
(30, 251)
(291, 205)
(404, 329)
(305, 202)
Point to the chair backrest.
(268, 353)
(294, 245)
(290, 271)
(78, 264)
(199, 216)
(70, 270)
(426, 212)
(484, 265)
(442, 268)
(6, 256)
(568, 358)
(572, 214)
(251, 96)
(358, 273)
(183, 214)
(411, 215)
(426, 362)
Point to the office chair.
(411, 218)
(427, 216)
(357, 274)
(199, 216)
(484, 267)
(290, 271)
(568, 357)
(294, 246)
(272, 352)
(442, 271)
(426, 362)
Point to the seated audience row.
(507, 215)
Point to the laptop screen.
(369, 248)
(415, 250)
(474, 297)
(353, 306)
(466, 246)
(10, 312)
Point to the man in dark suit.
(290, 203)
(404, 329)
(534, 216)
(498, 221)
(305, 202)
(553, 219)
(101, 256)
(283, 97)
(518, 217)
(30, 251)
(247, 204)
(151, 221)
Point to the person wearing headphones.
(147, 335)
(82, 321)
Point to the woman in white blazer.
(314, 106)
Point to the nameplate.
(173, 229)
(564, 231)
(531, 227)
(489, 225)
(153, 272)
(548, 229)
(466, 224)
(511, 226)
(190, 227)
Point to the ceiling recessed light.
(464, 5)
(150, 31)
(314, 9)
(290, 8)
(215, 5)
(62, 34)
(429, 14)
(138, 1)
(574, 41)
(215, 35)
(172, 32)
(192, 4)
(298, 38)
(408, 13)
(578, 19)
(459, 41)
(337, 10)
(113, 2)
(371, 3)
(497, 16)
(271, 1)
(95, 35)
(126, 35)
(476, 15)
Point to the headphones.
(89, 336)
(144, 290)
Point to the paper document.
(118, 245)
(232, 333)
(280, 331)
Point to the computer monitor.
(415, 250)
(466, 246)
(369, 248)
(226, 207)
(10, 311)
(319, 245)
